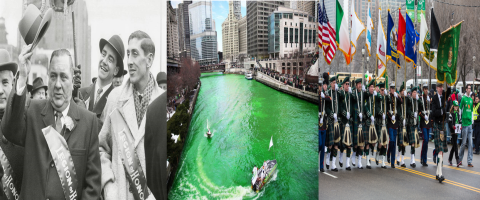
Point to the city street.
(399, 183)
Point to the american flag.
(326, 34)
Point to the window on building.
(305, 35)
(310, 36)
(291, 35)
(296, 35)
(285, 35)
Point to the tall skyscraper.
(184, 47)
(305, 6)
(257, 23)
(203, 37)
(230, 32)
(242, 36)
(172, 33)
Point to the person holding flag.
(331, 108)
(393, 100)
(370, 135)
(380, 121)
(345, 110)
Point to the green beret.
(414, 89)
(381, 84)
(358, 80)
(372, 82)
(333, 78)
(402, 87)
(346, 79)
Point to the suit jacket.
(114, 180)
(156, 146)
(87, 94)
(15, 155)
(23, 126)
(437, 109)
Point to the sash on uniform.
(133, 169)
(63, 162)
(7, 180)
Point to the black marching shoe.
(413, 165)
(403, 165)
(424, 164)
(341, 165)
(388, 159)
(441, 178)
(360, 168)
(393, 166)
(384, 167)
(376, 161)
(322, 170)
(398, 163)
(335, 170)
(328, 166)
(348, 168)
(369, 167)
(353, 164)
(436, 177)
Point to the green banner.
(447, 55)
(420, 10)
(411, 9)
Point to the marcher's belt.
(63, 162)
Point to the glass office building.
(203, 37)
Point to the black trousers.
(454, 148)
(476, 133)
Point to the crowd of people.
(291, 80)
(105, 142)
(357, 121)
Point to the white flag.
(423, 33)
(271, 143)
(369, 31)
(357, 28)
(381, 41)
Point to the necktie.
(58, 122)
(99, 91)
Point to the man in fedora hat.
(122, 135)
(38, 89)
(162, 80)
(34, 24)
(60, 138)
(117, 81)
(11, 171)
(110, 65)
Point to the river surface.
(244, 115)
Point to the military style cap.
(346, 79)
(372, 82)
(381, 84)
(358, 80)
(402, 87)
(415, 89)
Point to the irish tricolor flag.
(343, 40)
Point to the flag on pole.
(447, 53)
(271, 143)
(343, 41)
(401, 34)
(326, 35)
(381, 43)
(434, 32)
(392, 41)
(368, 42)
(357, 28)
(382, 70)
(423, 34)
(411, 40)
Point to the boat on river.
(209, 133)
(263, 175)
(249, 75)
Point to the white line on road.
(431, 148)
(330, 174)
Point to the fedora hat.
(116, 42)
(37, 84)
(33, 24)
(161, 77)
(6, 62)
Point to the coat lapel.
(98, 109)
(47, 114)
(72, 113)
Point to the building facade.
(184, 28)
(291, 33)
(230, 37)
(305, 6)
(203, 37)
(242, 36)
(172, 33)
(257, 26)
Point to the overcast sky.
(106, 18)
(220, 13)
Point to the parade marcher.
(426, 123)
(38, 89)
(393, 115)
(454, 122)
(13, 155)
(322, 123)
(369, 135)
(476, 125)
(413, 104)
(345, 109)
(156, 146)
(117, 81)
(380, 120)
(357, 116)
(331, 108)
(401, 138)
(60, 138)
(439, 114)
(110, 65)
(122, 136)
(466, 110)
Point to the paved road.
(401, 183)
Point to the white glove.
(395, 94)
(323, 96)
(403, 122)
(348, 115)
(374, 93)
(321, 120)
(417, 96)
(350, 90)
(415, 115)
(393, 117)
(363, 88)
(336, 87)
(335, 117)
(404, 93)
(383, 116)
(372, 119)
(360, 115)
(428, 98)
(426, 117)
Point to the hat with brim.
(6, 62)
(455, 103)
(37, 84)
(116, 42)
(161, 77)
(392, 85)
(34, 24)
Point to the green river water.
(243, 115)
